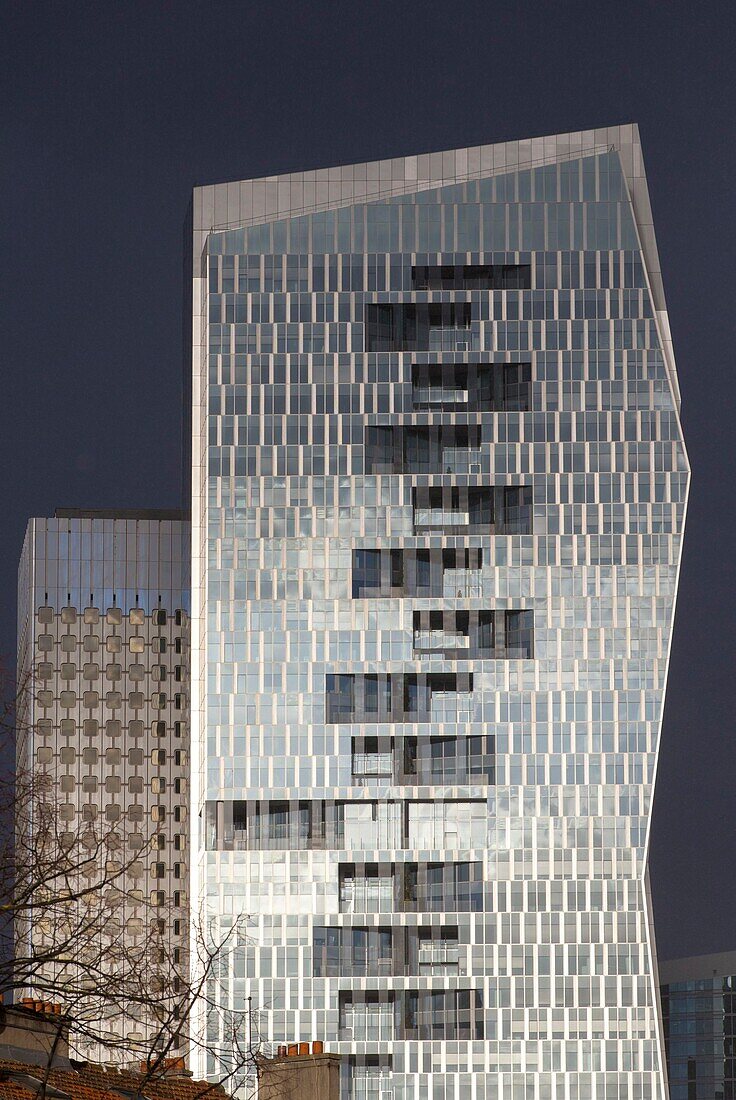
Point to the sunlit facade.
(103, 600)
(439, 487)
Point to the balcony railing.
(439, 395)
(437, 517)
(372, 765)
(439, 957)
(430, 641)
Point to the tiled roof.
(92, 1082)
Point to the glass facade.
(439, 487)
(699, 1016)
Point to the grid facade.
(439, 488)
(103, 672)
(699, 1017)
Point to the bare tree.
(83, 936)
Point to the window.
(159, 617)
(366, 571)
(137, 616)
(45, 614)
(114, 616)
(137, 645)
(91, 615)
(520, 634)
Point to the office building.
(438, 493)
(699, 1016)
(103, 603)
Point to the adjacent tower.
(439, 488)
(103, 748)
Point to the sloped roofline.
(223, 206)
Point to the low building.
(299, 1073)
(34, 1062)
(699, 1018)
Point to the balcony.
(457, 460)
(398, 573)
(393, 697)
(426, 449)
(419, 326)
(462, 584)
(471, 387)
(368, 767)
(474, 509)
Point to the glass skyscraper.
(699, 1016)
(439, 487)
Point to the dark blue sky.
(112, 111)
